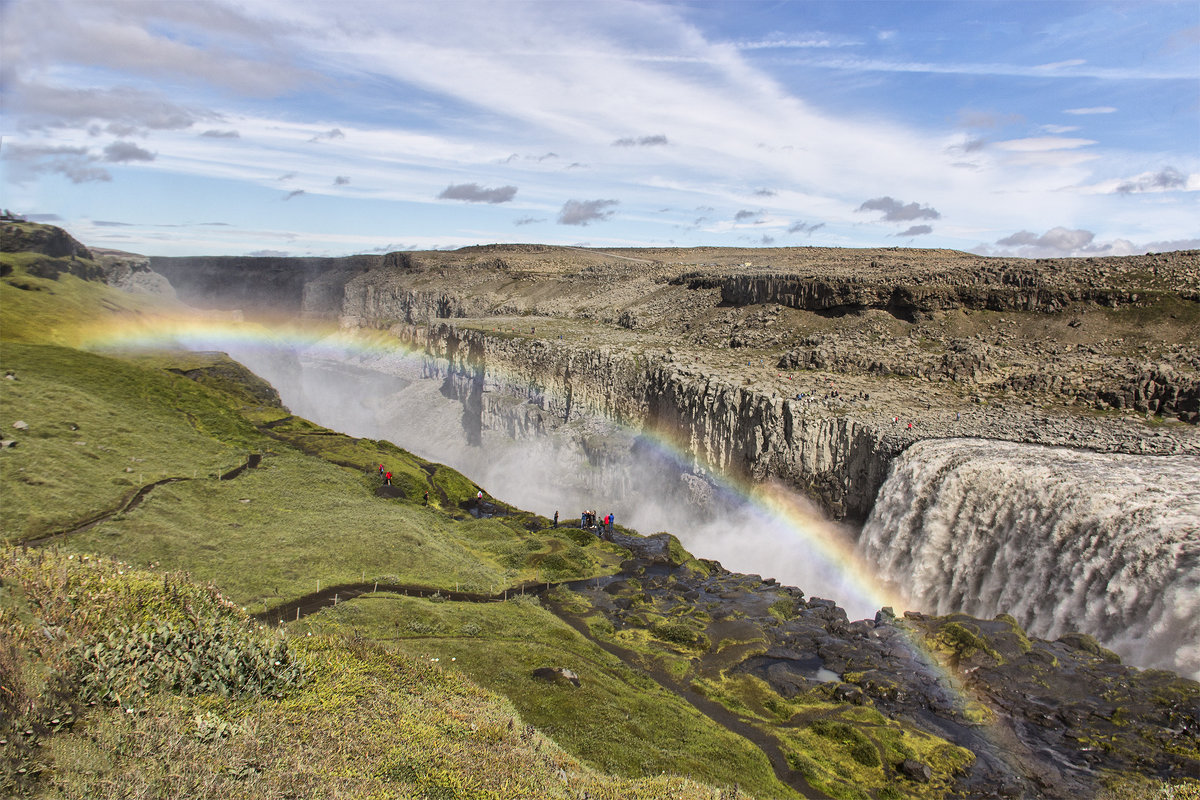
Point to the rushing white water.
(1063, 540)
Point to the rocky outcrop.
(1028, 709)
(130, 272)
(730, 430)
(22, 237)
(52, 250)
(911, 301)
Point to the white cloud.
(1091, 110)
(1059, 129)
(1041, 144)
(1071, 62)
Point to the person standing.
(556, 517)
(388, 478)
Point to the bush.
(136, 660)
(858, 744)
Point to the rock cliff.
(814, 369)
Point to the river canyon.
(960, 435)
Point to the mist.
(589, 463)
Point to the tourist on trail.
(381, 470)
(612, 520)
(556, 517)
(479, 499)
(426, 498)
(910, 426)
(388, 478)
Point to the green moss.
(783, 609)
(964, 640)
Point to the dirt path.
(133, 501)
(709, 708)
(331, 596)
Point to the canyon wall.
(529, 388)
(911, 298)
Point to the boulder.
(915, 770)
(553, 674)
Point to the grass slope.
(122, 456)
(352, 719)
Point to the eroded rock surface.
(1043, 718)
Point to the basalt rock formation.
(815, 368)
(1042, 718)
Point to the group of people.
(587, 519)
(386, 476)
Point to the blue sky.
(305, 127)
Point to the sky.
(311, 127)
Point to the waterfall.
(1063, 540)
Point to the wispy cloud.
(474, 193)
(656, 140)
(803, 227)
(1161, 181)
(1090, 111)
(817, 41)
(329, 135)
(1041, 144)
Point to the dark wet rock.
(554, 674)
(915, 770)
(1035, 712)
(654, 549)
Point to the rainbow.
(798, 527)
(773, 507)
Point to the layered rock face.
(814, 370)
(730, 430)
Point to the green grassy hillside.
(203, 595)
(124, 478)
